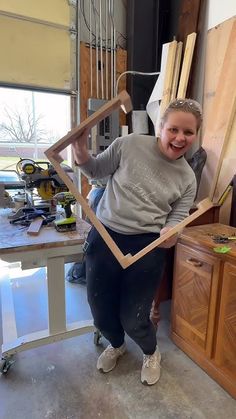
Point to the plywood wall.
(217, 42)
(85, 84)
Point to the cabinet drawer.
(194, 296)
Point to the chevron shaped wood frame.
(53, 155)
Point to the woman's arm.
(103, 165)
(180, 208)
(179, 212)
(80, 148)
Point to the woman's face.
(177, 134)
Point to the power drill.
(66, 199)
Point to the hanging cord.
(140, 73)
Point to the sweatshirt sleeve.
(105, 163)
(180, 209)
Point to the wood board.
(168, 79)
(217, 40)
(88, 86)
(35, 226)
(188, 18)
(220, 120)
(186, 66)
(216, 45)
(176, 74)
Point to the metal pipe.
(106, 47)
(34, 127)
(91, 48)
(111, 58)
(96, 43)
(113, 29)
(78, 61)
(101, 45)
(77, 177)
(114, 54)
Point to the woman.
(151, 188)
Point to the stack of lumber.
(219, 106)
(177, 75)
(173, 79)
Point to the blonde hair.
(183, 105)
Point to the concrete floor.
(60, 381)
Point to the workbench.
(51, 249)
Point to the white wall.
(219, 11)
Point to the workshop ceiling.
(37, 44)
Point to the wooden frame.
(53, 156)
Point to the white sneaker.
(108, 359)
(151, 368)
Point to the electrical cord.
(140, 73)
(95, 12)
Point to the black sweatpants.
(120, 299)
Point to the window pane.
(29, 123)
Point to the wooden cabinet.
(225, 354)
(204, 302)
(164, 291)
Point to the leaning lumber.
(219, 123)
(186, 66)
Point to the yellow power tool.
(66, 199)
(42, 176)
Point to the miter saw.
(41, 176)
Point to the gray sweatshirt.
(145, 191)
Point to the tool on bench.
(66, 199)
(29, 214)
(41, 177)
(225, 193)
(221, 238)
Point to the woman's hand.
(171, 241)
(80, 149)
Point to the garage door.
(37, 44)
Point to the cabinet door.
(225, 355)
(196, 276)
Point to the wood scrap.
(35, 226)
(186, 66)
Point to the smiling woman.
(179, 127)
(150, 189)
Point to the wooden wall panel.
(217, 40)
(188, 18)
(220, 120)
(192, 19)
(85, 85)
(85, 82)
